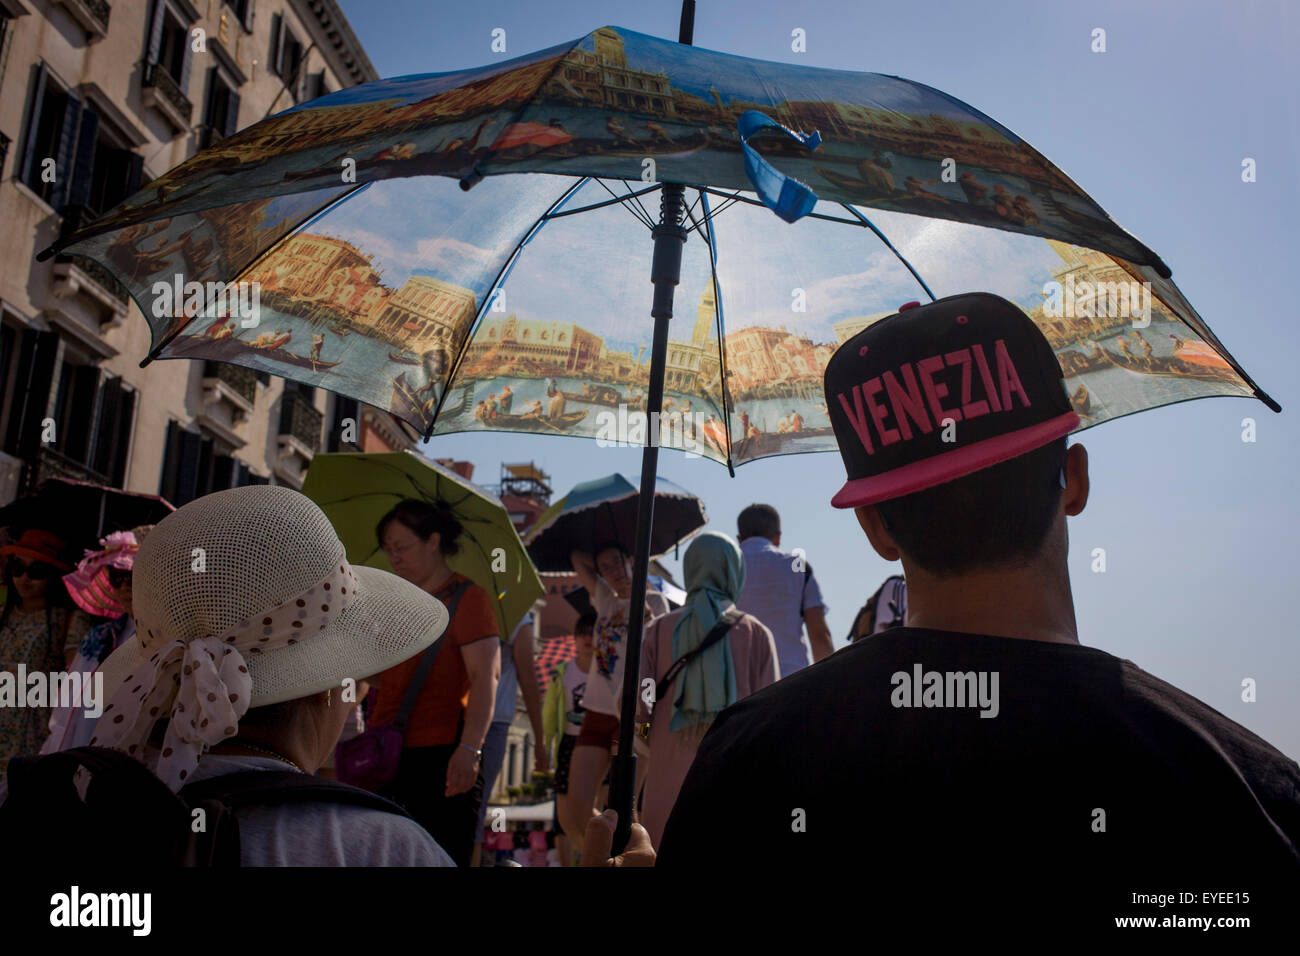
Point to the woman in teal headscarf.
(734, 667)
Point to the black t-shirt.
(1087, 768)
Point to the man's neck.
(1025, 603)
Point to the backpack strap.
(249, 788)
(221, 797)
(729, 617)
(426, 664)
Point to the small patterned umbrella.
(553, 652)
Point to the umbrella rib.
(637, 196)
(890, 246)
(722, 334)
(754, 202)
(730, 201)
(487, 298)
(602, 203)
(622, 200)
(645, 213)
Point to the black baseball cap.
(973, 369)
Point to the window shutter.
(171, 462)
(134, 173)
(83, 168)
(76, 439)
(65, 161)
(224, 474)
(122, 443)
(105, 439)
(37, 359)
(156, 31)
(277, 42)
(30, 158)
(210, 98)
(187, 471)
(232, 114)
(187, 57)
(204, 485)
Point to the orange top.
(435, 719)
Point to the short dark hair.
(423, 519)
(758, 521)
(998, 515)
(586, 623)
(609, 546)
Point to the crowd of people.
(963, 723)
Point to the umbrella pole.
(665, 273)
(669, 238)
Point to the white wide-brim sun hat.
(227, 557)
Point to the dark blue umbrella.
(604, 511)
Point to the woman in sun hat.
(99, 585)
(39, 632)
(250, 622)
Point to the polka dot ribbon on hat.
(203, 685)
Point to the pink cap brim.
(954, 464)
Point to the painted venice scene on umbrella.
(372, 252)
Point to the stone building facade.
(98, 97)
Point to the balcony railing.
(160, 90)
(91, 14)
(300, 419)
(242, 380)
(52, 464)
(96, 273)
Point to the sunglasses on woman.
(119, 577)
(36, 571)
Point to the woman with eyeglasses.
(38, 630)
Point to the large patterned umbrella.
(368, 243)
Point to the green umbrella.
(356, 490)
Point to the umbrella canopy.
(454, 318)
(356, 490)
(379, 277)
(553, 652)
(82, 512)
(604, 510)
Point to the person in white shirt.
(781, 590)
(607, 576)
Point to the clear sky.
(1199, 527)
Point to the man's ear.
(1077, 484)
(880, 539)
